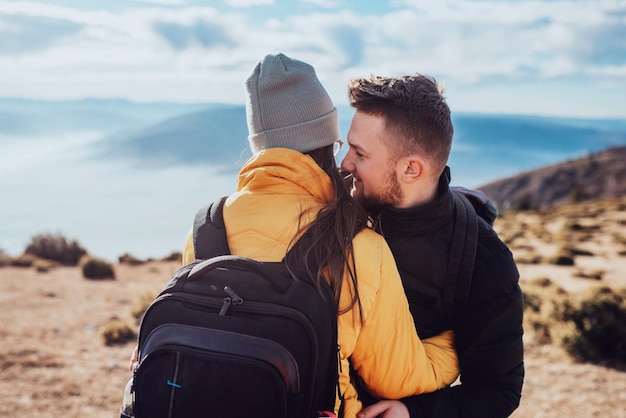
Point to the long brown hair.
(328, 252)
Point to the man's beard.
(374, 204)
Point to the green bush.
(96, 268)
(56, 247)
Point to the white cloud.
(162, 2)
(248, 3)
(328, 4)
(187, 53)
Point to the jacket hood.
(282, 170)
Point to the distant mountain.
(32, 118)
(490, 147)
(598, 175)
(505, 133)
(216, 135)
(485, 148)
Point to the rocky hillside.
(597, 175)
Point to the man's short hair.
(415, 113)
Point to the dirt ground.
(53, 361)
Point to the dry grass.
(55, 361)
(592, 234)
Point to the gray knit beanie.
(287, 107)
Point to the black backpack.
(233, 337)
(468, 205)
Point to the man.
(400, 140)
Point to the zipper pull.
(232, 299)
(236, 299)
(225, 306)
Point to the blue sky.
(558, 58)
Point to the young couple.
(392, 329)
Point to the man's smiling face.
(375, 181)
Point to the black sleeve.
(488, 335)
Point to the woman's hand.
(134, 358)
(385, 409)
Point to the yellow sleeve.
(441, 352)
(388, 355)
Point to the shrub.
(96, 268)
(175, 256)
(544, 305)
(44, 266)
(562, 257)
(590, 274)
(140, 305)
(578, 193)
(5, 260)
(619, 239)
(57, 248)
(24, 260)
(599, 331)
(590, 326)
(529, 258)
(578, 227)
(117, 332)
(130, 260)
(573, 250)
(524, 203)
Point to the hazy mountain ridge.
(26, 117)
(215, 136)
(598, 175)
(486, 146)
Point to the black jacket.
(488, 329)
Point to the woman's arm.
(388, 355)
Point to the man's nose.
(346, 163)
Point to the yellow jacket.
(275, 187)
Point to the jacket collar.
(420, 219)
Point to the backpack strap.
(481, 203)
(209, 232)
(462, 255)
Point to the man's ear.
(414, 168)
